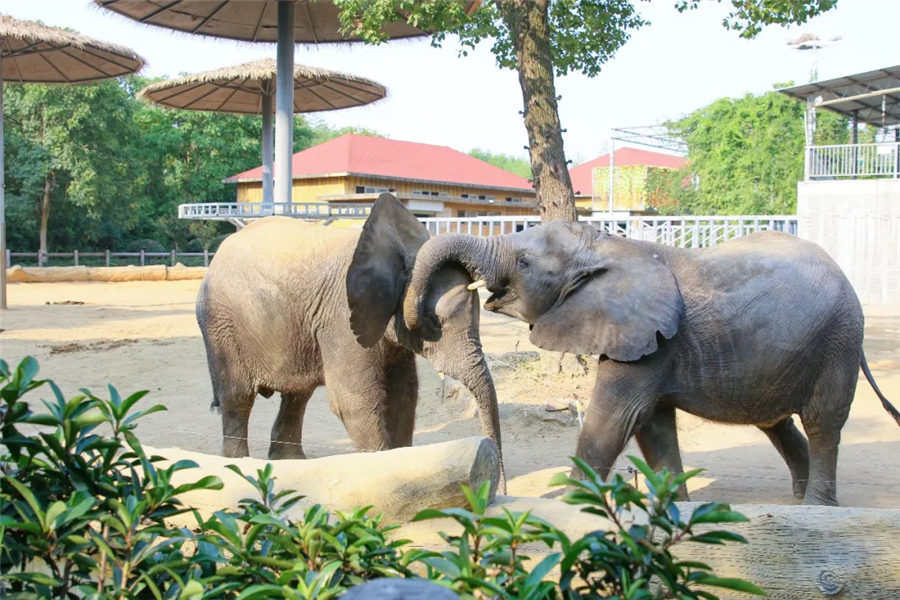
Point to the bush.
(195, 245)
(147, 245)
(83, 514)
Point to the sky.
(678, 63)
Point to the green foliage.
(514, 164)
(84, 509)
(749, 16)
(145, 245)
(143, 161)
(748, 153)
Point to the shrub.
(218, 242)
(147, 245)
(83, 514)
(195, 245)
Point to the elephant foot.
(278, 451)
(799, 489)
(820, 499)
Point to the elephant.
(751, 331)
(289, 306)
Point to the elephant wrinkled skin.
(751, 331)
(288, 306)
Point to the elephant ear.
(377, 277)
(614, 306)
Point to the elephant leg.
(624, 398)
(823, 417)
(358, 399)
(236, 409)
(658, 440)
(402, 386)
(287, 432)
(793, 448)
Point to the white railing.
(684, 232)
(254, 210)
(853, 160)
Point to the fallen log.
(794, 552)
(17, 274)
(129, 273)
(181, 273)
(398, 483)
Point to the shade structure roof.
(583, 175)
(315, 22)
(35, 53)
(383, 158)
(240, 89)
(864, 92)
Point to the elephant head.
(376, 286)
(580, 290)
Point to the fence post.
(40, 258)
(75, 256)
(142, 258)
(8, 258)
(107, 258)
(205, 257)
(172, 253)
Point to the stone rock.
(399, 589)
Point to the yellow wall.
(407, 187)
(303, 190)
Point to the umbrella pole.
(3, 265)
(284, 102)
(267, 150)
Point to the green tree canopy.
(746, 154)
(542, 39)
(514, 164)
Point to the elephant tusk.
(441, 375)
(477, 284)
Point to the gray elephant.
(288, 306)
(751, 332)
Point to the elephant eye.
(523, 262)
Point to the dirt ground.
(143, 336)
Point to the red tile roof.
(382, 157)
(582, 175)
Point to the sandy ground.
(144, 336)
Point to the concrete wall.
(858, 224)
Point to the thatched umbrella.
(249, 88)
(261, 21)
(35, 53)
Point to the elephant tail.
(884, 401)
(216, 407)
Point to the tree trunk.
(528, 22)
(45, 213)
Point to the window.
(477, 197)
(366, 189)
(430, 193)
(508, 199)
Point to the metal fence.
(684, 232)
(853, 160)
(227, 211)
(107, 258)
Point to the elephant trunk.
(479, 256)
(479, 382)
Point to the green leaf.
(738, 585)
(542, 569)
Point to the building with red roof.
(430, 180)
(582, 175)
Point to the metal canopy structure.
(35, 53)
(653, 136)
(250, 89)
(872, 97)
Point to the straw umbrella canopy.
(34, 53)
(249, 89)
(315, 22)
